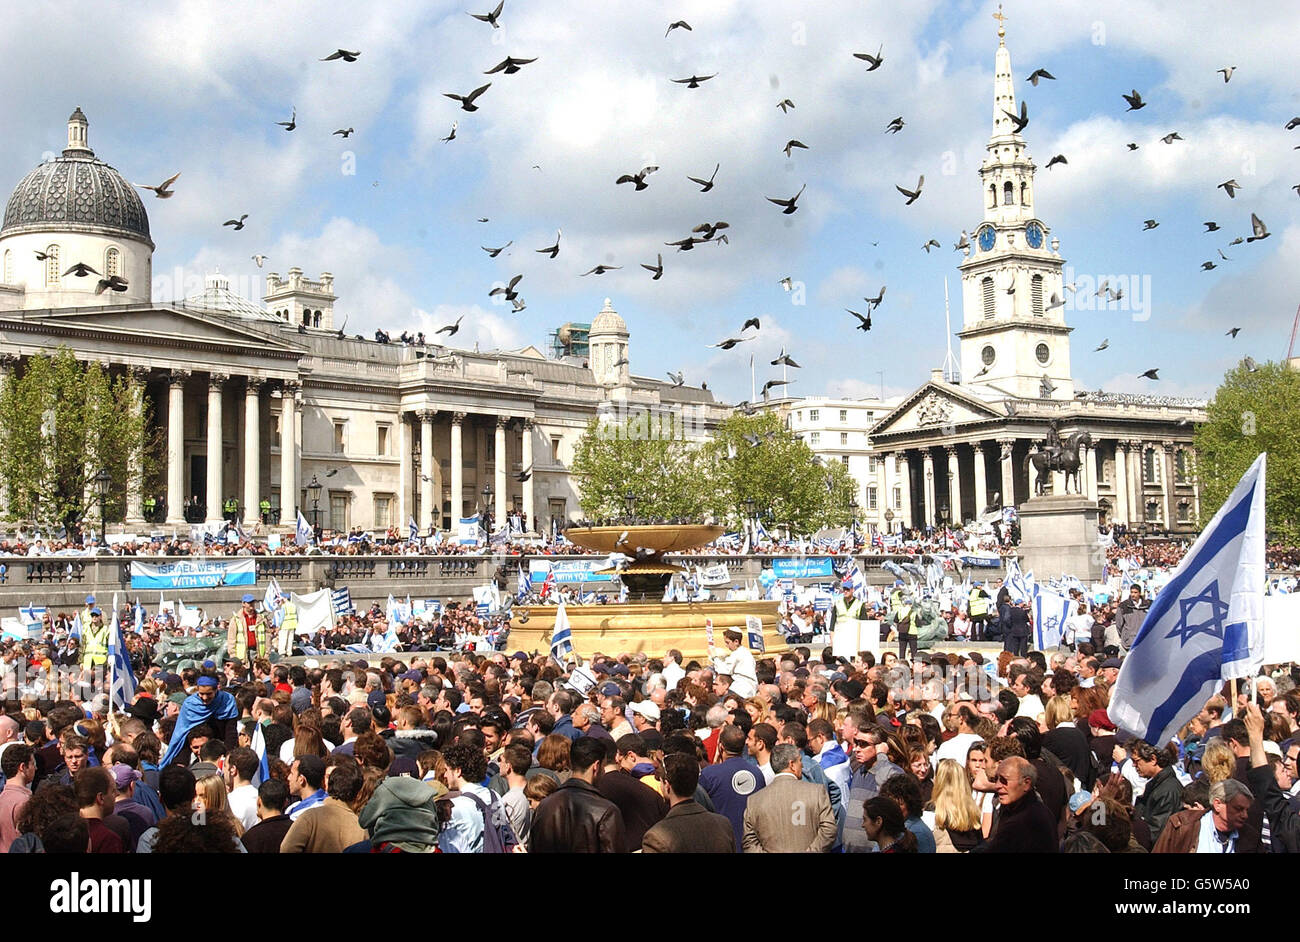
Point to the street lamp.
(749, 503)
(629, 504)
(313, 494)
(487, 502)
(943, 514)
(103, 481)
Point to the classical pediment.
(936, 406)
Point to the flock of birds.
(714, 232)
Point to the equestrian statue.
(1057, 455)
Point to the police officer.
(230, 508)
(288, 627)
(849, 614)
(977, 607)
(246, 636)
(150, 508)
(94, 640)
(905, 616)
(85, 612)
(264, 508)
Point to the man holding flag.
(561, 637)
(121, 678)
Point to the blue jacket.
(729, 785)
(564, 726)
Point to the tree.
(61, 422)
(1254, 412)
(658, 465)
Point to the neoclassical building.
(257, 401)
(961, 441)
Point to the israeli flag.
(36, 613)
(412, 528)
(139, 617)
(525, 586)
(760, 531)
(1050, 612)
(75, 630)
(1020, 585)
(1207, 625)
(302, 533)
(122, 684)
(561, 637)
(388, 643)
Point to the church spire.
(1004, 90)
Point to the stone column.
(289, 454)
(1194, 473)
(1123, 509)
(1033, 475)
(904, 470)
(8, 362)
(1089, 472)
(135, 460)
(215, 383)
(1007, 446)
(430, 503)
(253, 450)
(527, 461)
(499, 466)
(981, 481)
(403, 471)
(1167, 483)
(884, 490)
(1137, 479)
(954, 485)
(457, 470)
(927, 461)
(176, 447)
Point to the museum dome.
(608, 322)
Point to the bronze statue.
(1056, 455)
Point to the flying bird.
(875, 302)
(875, 61)
(893, 127)
(1058, 159)
(1211, 226)
(259, 259)
(785, 104)
(490, 17)
(1020, 120)
(507, 290)
(677, 378)
(41, 256)
(962, 243)
(793, 143)
(600, 270)
(493, 253)
(912, 195)
(706, 185)
(785, 360)
(467, 101)
(1037, 74)
(344, 133)
(1134, 101)
(621, 361)
(1249, 364)
(1227, 73)
(983, 370)
(1055, 302)
(753, 440)
(451, 329)
(510, 65)
(81, 270)
(752, 322)
(291, 123)
(789, 204)
(236, 224)
(517, 305)
(933, 243)
(864, 323)
(1208, 266)
(710, 229)
(684, 245)
(773, 383)
(679, 24)
(1222, 256)
(695, 80)
(1236, 241)
(1149, 224)
(1293, 124)
(552, 250)
(162, 190)
(1150, 374)
(1102, 346)
(657, 268)
(483, 219)
(1132, 146)
(1233, 332)
(1171, 137)
(731, 342)
(112, 282)
(1104, 289)
(451, 136)
(343, 54)
(525, 474)
(1046, 387)
(638, 179)
(787, 283)
(1260, 230)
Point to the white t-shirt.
(243, 805)
(956, 748)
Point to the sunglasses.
(1003, 780)
(863, 743)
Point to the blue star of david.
(1185, 630)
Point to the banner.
(1281, 628)
(715, 575)
(568, 570)
(193, 573)
(468, 531)
(754, 631)
(803, 567)
(314, 611)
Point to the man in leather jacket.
(576, 818)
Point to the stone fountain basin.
(660, 539)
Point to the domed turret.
(607, 341)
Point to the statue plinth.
(1058, 535)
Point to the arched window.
(316, 319)
(1036, 295)
(989, 302)
(9, 266)
(306, 318)
(1024, 194)
(112, 263)
(1008, 193)
(52, 271)
(993, 195)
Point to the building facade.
(258, 402)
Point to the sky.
(392, 210)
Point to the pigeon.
(1046, 387)
(1071, 287)
(112, 282)
(467, 101)
(773, 383)
(483, 219)
(493, 253)
(552, 250)
(962, 243)
(1058, 159)
(982, 371)
(509, 65)
(706, 185)
(1055, 302)
(1171, 137)
(291, 123)
(874, 303)
(752, 322)
(1233, 332)
(695, 80)
(507, 290)
(344, 133)
(637, 178)
(1149, 224)
(684, 245)
(1257, 226)
(1037, 74)
(1134, 101)
(787, 283)
(710, 229)
(657, 268)
(679, 24)
(236, 224)
(912, 195)
(893, 127)
(452, 135)
(1249, 363)
(1222, 256)
(525, 474)
(875, 60)
(677, 378)
(753, 440)
(731, 452)
(1021, 120)
(1227, 73)
(1010, 406)
(343, 54)
(1131, 146)
(785, 104)
(1102, 346)
(864, 323)
(933, 243)
(1297, 189)
(490, 17)
(162, 190)
(1011, 288)
(1207, 266)
(1293, 124)
(1236, 241)
(785, 360)
(1104, 289)
(451, 329)
(41, 256)
(1150, 374)
(517, 305)
(600, 270)
(731, 342)
(259, 259)
(1117, 295)
(621, 361)
(1211, 226)
(793, 143)
(789, 204)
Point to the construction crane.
(1295, 325)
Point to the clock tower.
(1014, 338)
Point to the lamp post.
(103, 481)
(313, 494)
(487, 502)
(943, 515)
(889, 520)
(629, 505)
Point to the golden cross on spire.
(1002, 29)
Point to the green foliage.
(61, 421)
(1252, 413)
(657, 465)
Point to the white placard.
(1281, 629)
(847, 642)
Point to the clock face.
(986, 237)
(1034, 235)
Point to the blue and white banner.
(341, 600)
(1019, 585)
(754, 633)
(302, 533)
(1050, 612)
(569, 570)
(803, 567)
(468, 531)
(193, 573)
(561, 637)
(1207, 625)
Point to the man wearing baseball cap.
(246, 637)
(94, 639)
(210, 706)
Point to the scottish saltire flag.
(341, 601)
(1205, 627)
(122, 679)
(1050, 612)
(302, 533)
(561, 637)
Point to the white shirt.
(243, 805)
(1208, 841)
(672, 674)
(1031, 706)
(768, 774)
(956, 748)
(739, 666)
(463, 834)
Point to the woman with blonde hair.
(756, 707)
(1218, 761)
(952, 813)
(210, 798)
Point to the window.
(871, 498)
(815, 438)
(1036, 295)
(381, 439)
(555, 449)
(1180, 467)
(814, 415)
(339, 444)
(306, 318)
(993, 195)
(383, 511)
(1149, 472)
(871, 464)
(275, 504)
(1024, 194)
(844, 439)
(844, 415)
(844, 460)
(52, 271)
(275, 430)
(316, 320)
(1008, 193)
(339, 511)
(990, 303)
(1184, 512)
(798, 416)
(112, 263)
(898, 498)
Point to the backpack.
(498, 835)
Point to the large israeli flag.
(1050, 612)
(1019, 585)
(1205, 626)
(122, 682)
(302, 533)
(561, 637)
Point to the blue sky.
(198, 87)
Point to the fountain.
(645, 623)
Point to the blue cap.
(90, 600)
(206, 681)
(209, 665)
(248, 597)
(96, 611)
(1078, 800)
